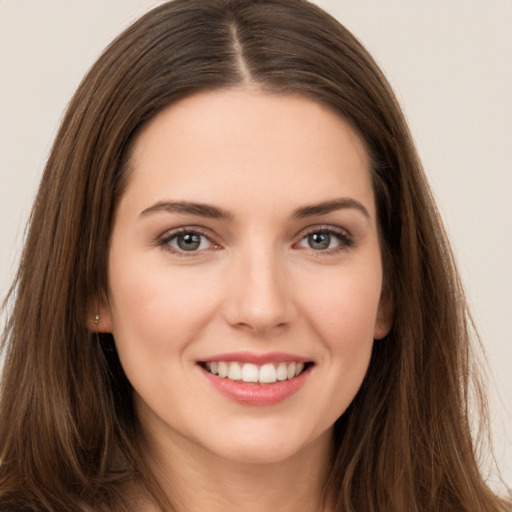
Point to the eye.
(187, 241)
(326, 240)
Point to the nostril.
(260, 301)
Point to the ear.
(385, 315)
(99, 316)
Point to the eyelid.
(164, 239)
(324, 227)
(344, 236)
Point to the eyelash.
(165, 240)
(345, 240)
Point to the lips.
(259, 380)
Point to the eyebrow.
(214, 212)
(201, 209)
(326, 207)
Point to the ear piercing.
(96, 319)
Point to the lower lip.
(257, 394)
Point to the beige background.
(450, 62)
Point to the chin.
(268, 448)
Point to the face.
(245, 274)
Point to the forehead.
(248, 144)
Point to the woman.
(235, 290)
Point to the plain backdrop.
(450, 62)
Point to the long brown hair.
(69, 436)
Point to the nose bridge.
(259, 292)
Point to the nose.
(259, 295)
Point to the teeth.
(234, 371)
(267, 373)
(223, 370)
(282, 371)
(248, 372)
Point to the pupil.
(189, 242)
(319, 240)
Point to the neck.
(199, 481)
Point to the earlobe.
(384, 319)
(99, 317)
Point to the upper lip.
(255, 358)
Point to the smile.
(268, 373)
(257, 379)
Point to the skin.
(255, 284)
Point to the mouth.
(254, 379)
(251, 373)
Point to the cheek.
(154, 306)
(342, 310)
(343, 306)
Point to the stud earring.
(96, 319)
